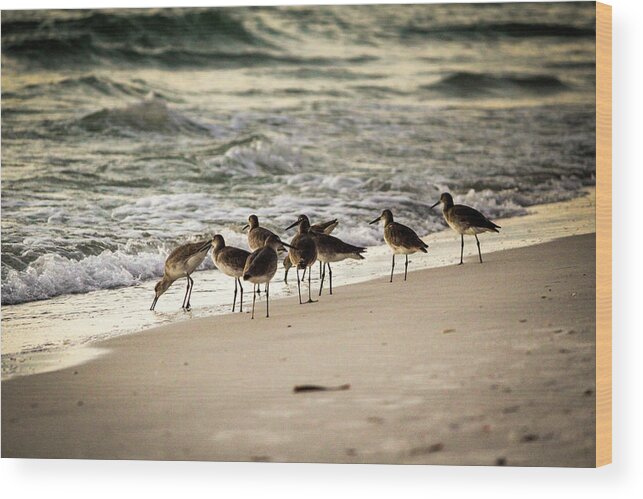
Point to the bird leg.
(191, 288)
(286, 276)
(461, 249)
(478, 243)
(303, 276)
(185, 297)
(254, 297)
(310, 298)
(320, 268)
(330, 277)
(188, 306)
(406, 266)
(322, 277)
(298, 285)
(234, 300)
(392, 267)
(241, 303)
(267, 299)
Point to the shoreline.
(508, 378)
(61, 339)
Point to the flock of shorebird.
(311, 243)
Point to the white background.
(623, 478)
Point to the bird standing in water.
(181, 263)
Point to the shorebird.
(323, 228)
(331, 249)
(401, 239)
(181, 263)
(260, 267)
(465, 220)
(231, 261)
(303, 253)
(257, 236)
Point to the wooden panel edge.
(603, 234)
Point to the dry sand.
(474, 364)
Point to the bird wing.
(185, 251)
(399, 232)
(326, 242)
(466, 215)
(304, 251)
(325, 227)
(257, 236)
(188, 254)
(251, 258)
(263, 261)
(238, 256)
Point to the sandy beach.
(476, 365)
(129, 133)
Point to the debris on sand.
(319, 388)
(426, 449)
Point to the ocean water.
(127, 132)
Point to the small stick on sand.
(320, 388)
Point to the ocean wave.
(467, 84)
(330, 73)
(493, 30)
(93, 84)
(53, 50)
(149, 115)
(54, 275)
(143, 27)
(85, 50)
(138, 260)
(175, 38)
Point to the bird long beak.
(156, 298)
(288, 245)
(375, 221)
(292, 225)
(435, 205)
(245, 226)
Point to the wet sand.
(475, 364)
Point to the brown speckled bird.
(181, 263)
(401, 239)
(322, 228)
(303, 253)
(465, 220)
(231, 261)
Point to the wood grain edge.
(603, 234)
